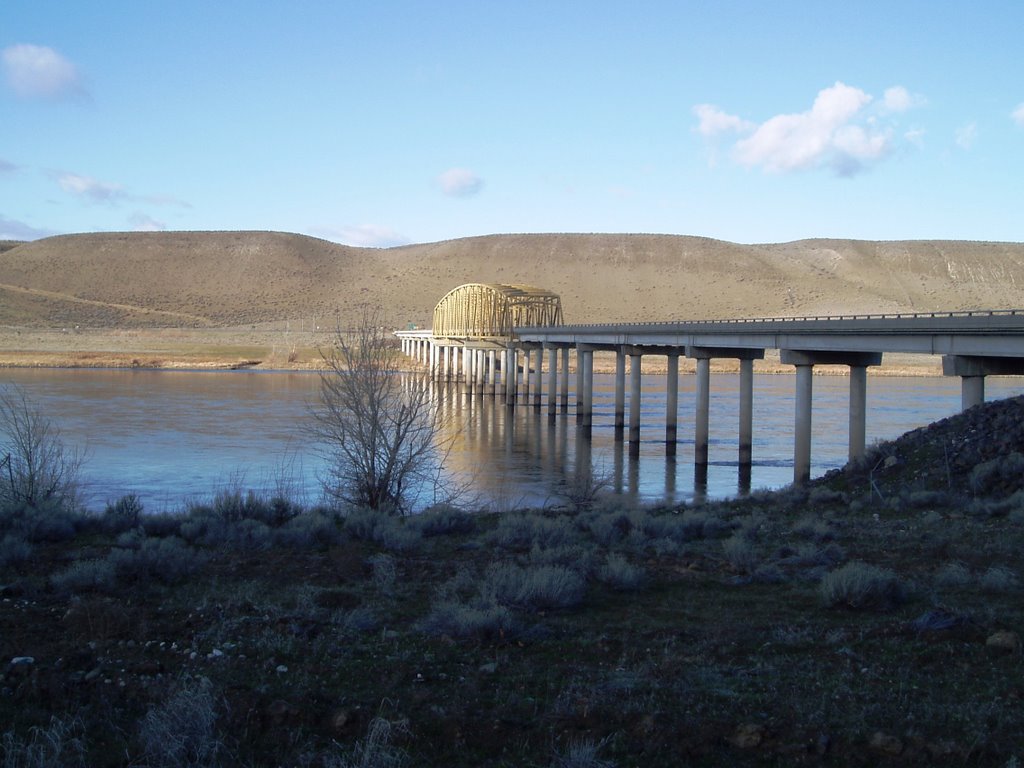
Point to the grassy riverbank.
(872, 617)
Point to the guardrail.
(791, 319)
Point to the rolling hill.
(220, 279)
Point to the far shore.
(300, 350)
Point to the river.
(172, 436)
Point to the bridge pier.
(481, 372)
(552, 380)
(635, 362)
(805, 361)
(704, 356)
(564, 404)
(972, 370)
(538, 353)
(672, 403)
(510, 375)
(620, 392)
(579, 384)
(588, 389)
(492, 369)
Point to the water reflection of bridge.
(492, 339)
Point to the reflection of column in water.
(563, 443)
(634, 475)
(700, 483)
(483, 420)
(619, 461)
(583, 466)
(510, 428)
(744, 479)
(537, 433)
(670, 480)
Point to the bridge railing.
(747, 321)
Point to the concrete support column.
(702, 417)
(972, 371)
(746, 412)
(527, 379)
(802, 424)
(537, 377)
(579, 384)
(805, 360)
(972, 391)
(492, 370)
(588, 388)
(510, 377)
(552, 381)
(672, 404)
(635, 359)
(481, 371)
(620, 392)
(858, 410)
(467, 379)
(564, 405)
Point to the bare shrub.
(480, 620)
(740, 553)
(620, 574)
(860, 585)
(581, 754)
(123, 514)
(378, 430)
(14, 550)
(536, 587)
(180, 731)
(1000, 476)
(85, 576)
(59, 745)
(998, 579)
(36, 468)
(953, 575)
(375, 750)
(445, 520)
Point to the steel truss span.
(494, 310)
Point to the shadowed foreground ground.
(873, 618)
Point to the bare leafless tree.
(379, 430)
(37, 467)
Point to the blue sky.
(389, 122)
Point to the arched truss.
(492, 310)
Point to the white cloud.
(843, 130)
(140, 222)
(35, 71)
(915, 136)
(90, 188)
(1018, 115)
(460, 182)
(824, 135)
(965, 135)
(363, 236)
(714, 121)
(899, 99)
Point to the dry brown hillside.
(204, 279)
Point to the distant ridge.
(234, 278)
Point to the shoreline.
(262, 348)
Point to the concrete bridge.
(506, 359)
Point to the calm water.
(171, 435)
